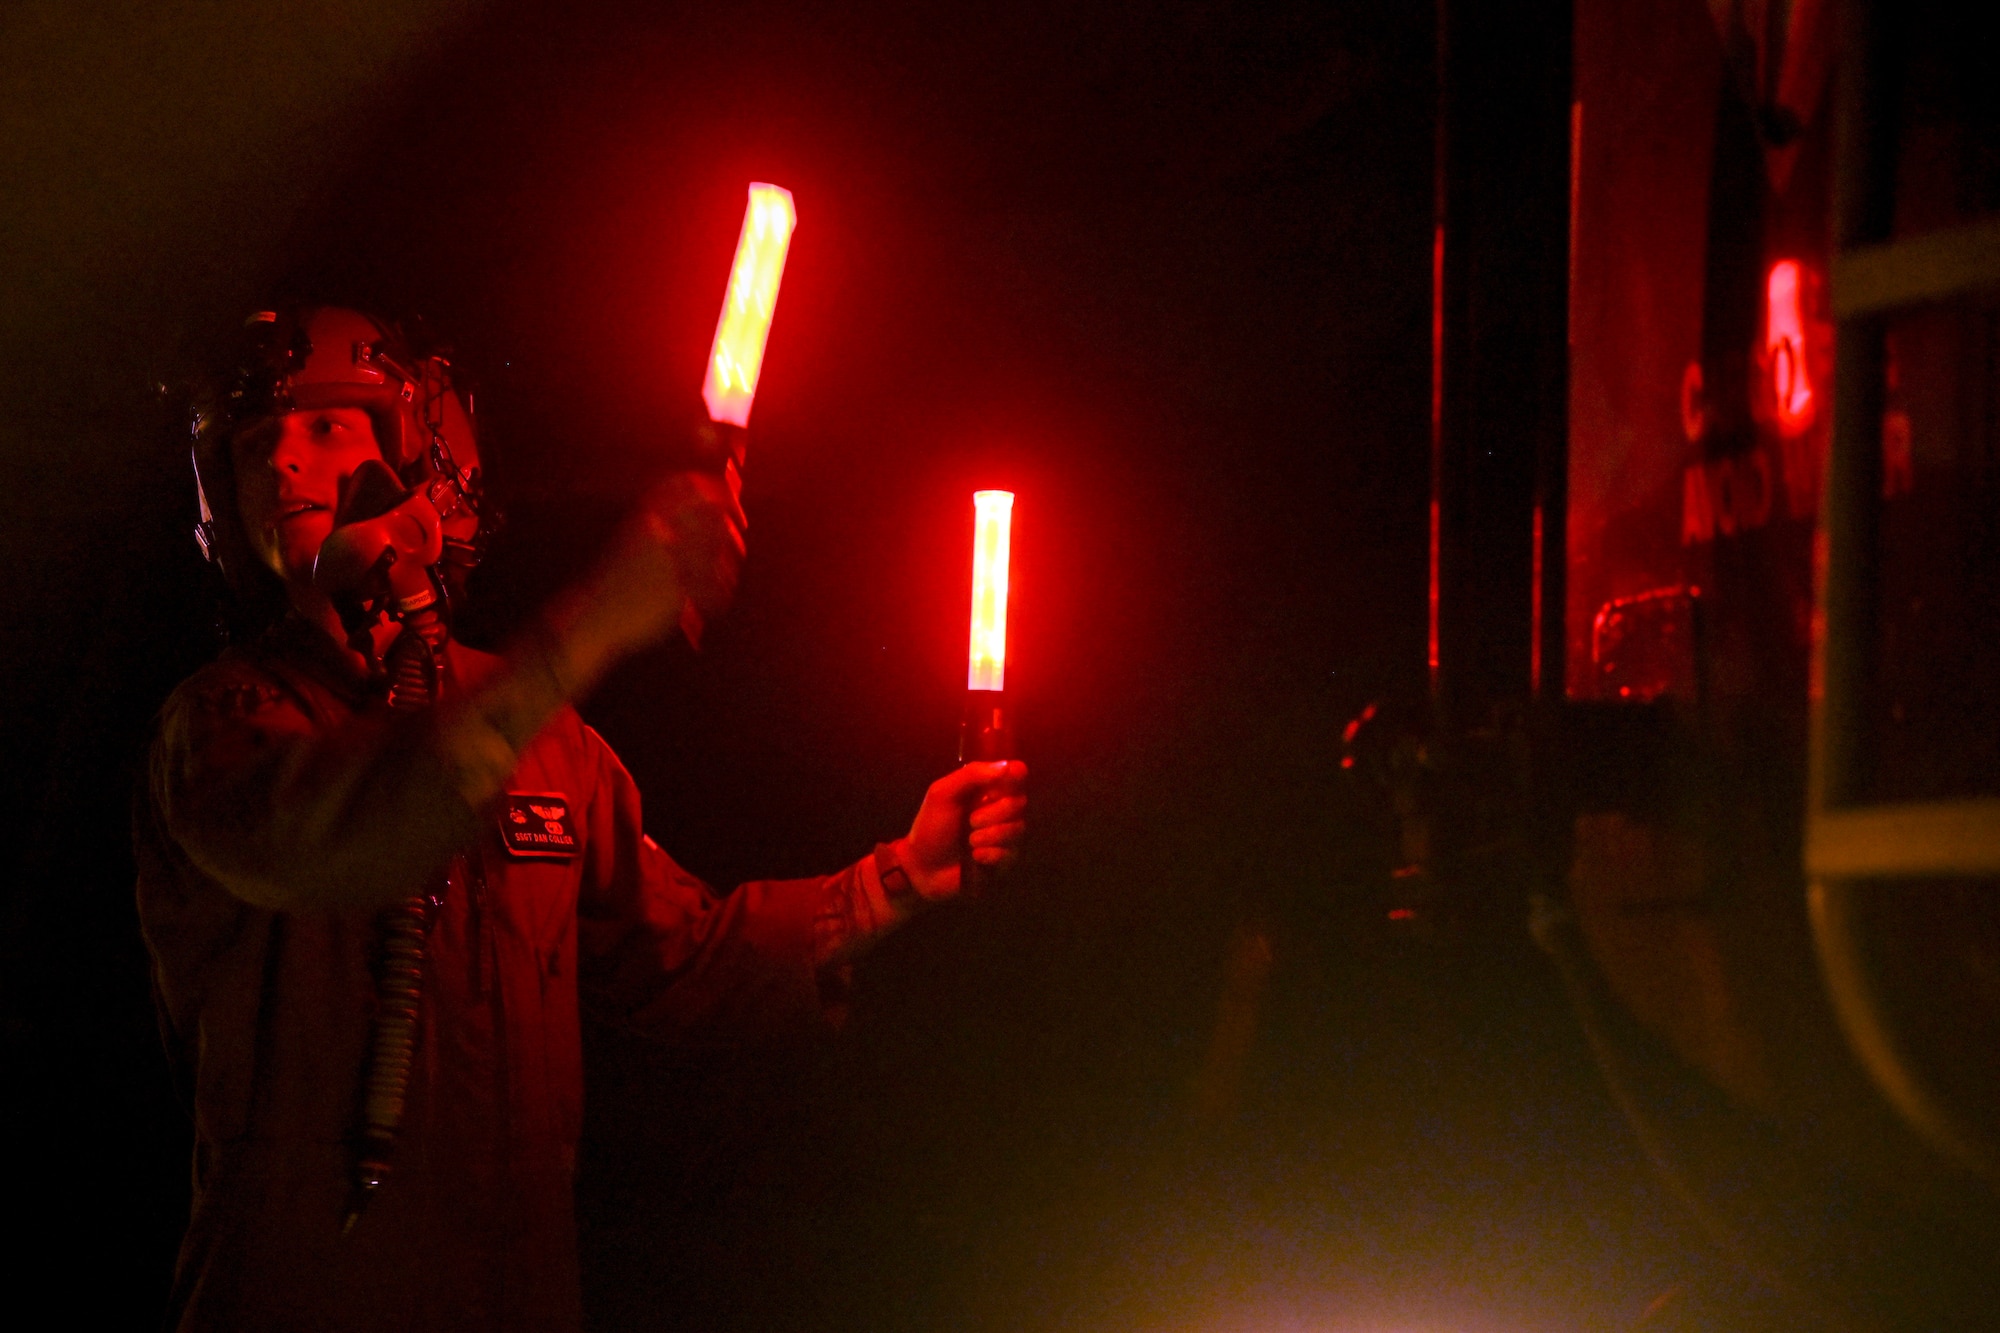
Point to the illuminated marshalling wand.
(737, 355)
(987, 732)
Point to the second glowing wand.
(987, 732)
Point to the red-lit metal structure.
(1714, 598)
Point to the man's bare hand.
(983, 807)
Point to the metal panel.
(1936, 267)
(1916, 838)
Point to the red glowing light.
(745, 322)
(1437, 427)
(1437, 576)
(1785, 348)
(1402, 914)
(993, 514)
(1535, 607)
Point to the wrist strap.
(896, 883)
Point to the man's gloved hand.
(683, 544)
(981, 805)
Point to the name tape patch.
(538, 823)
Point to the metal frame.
(1854, 848)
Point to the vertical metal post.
(1499, 332)
(1864, 205)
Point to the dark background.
(1161, 269)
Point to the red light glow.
(993, 515)
(1435, 590)
(747, 306)
(1535, 611)
(1785, 348)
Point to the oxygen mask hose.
(378, 558)
(399, 984)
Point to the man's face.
(289, 471)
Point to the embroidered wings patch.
(538, 823)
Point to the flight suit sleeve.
(293, 810)
(663, 952)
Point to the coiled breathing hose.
(415, 668)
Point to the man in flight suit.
(302, 809)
